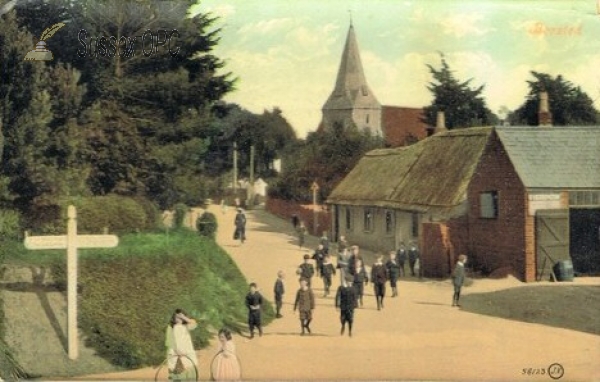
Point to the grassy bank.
(128, 293)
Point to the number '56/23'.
(533, 371)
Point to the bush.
(207, 225)
(129, 293)
(120, 214)
(180, 211)
(10, 227)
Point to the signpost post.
(71, 242)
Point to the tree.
(462, 106)
(138, 104)
(568, 104)
(325, 156)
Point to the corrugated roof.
(554, 157)
(434, 172)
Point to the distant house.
(509, 197)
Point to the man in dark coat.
(413, 256)
(458, 278)
(254, 302)
(393, 270)
(379, 278)
(319, 257)
(240, 225)
(346, 302)
(402, 257)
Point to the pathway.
(417, 336)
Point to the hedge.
(129, 293)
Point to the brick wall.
(285, 209)
(504, 241)
(441, 243)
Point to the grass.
(127, 294)
(563, 306)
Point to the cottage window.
(389, 222)
(415, 224)
(488, 204)
(368, 220)
(348, 219)
(586, 198)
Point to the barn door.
(552, 239)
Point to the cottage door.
(552, 240)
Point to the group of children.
(353, 278)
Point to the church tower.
(351, 100)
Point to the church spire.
(351, 100)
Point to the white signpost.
(71, 242)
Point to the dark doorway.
(585, 240)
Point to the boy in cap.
(279, 290)
(254, 302)
(305, 303)
(306, 270)
(346, 302)
(458, 278)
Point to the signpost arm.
(72, 283)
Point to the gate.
(552, 240)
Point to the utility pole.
(315, 188)
(251, 183)
(235, 169)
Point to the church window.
(365, 92)
(367, 118)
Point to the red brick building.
(515, 199)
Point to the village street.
(417, 336)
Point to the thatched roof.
(431, 174)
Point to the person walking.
(306, 270)
(413, 256)
(360, 280)
(279, 290)
(342, 264)
(346, 302)
(402, 257)
(393, 269)
(226, 366)
(342, 244)
(327, 273)
(324, 241)
(354, 255)
(254, 301)
(301, 234)
(379, 278)
(240, 226)
(295, 221)
(458, 278)
(305, 304)
(182, 361)
(319, 257)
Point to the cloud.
(266, 26)
(464, 24)
(222, 11)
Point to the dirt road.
(417, 336)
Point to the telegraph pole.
(235, 169)
(251, 183)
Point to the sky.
(286, 53)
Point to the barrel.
(563, 270)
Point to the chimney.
(440, 123)
(544, 115)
